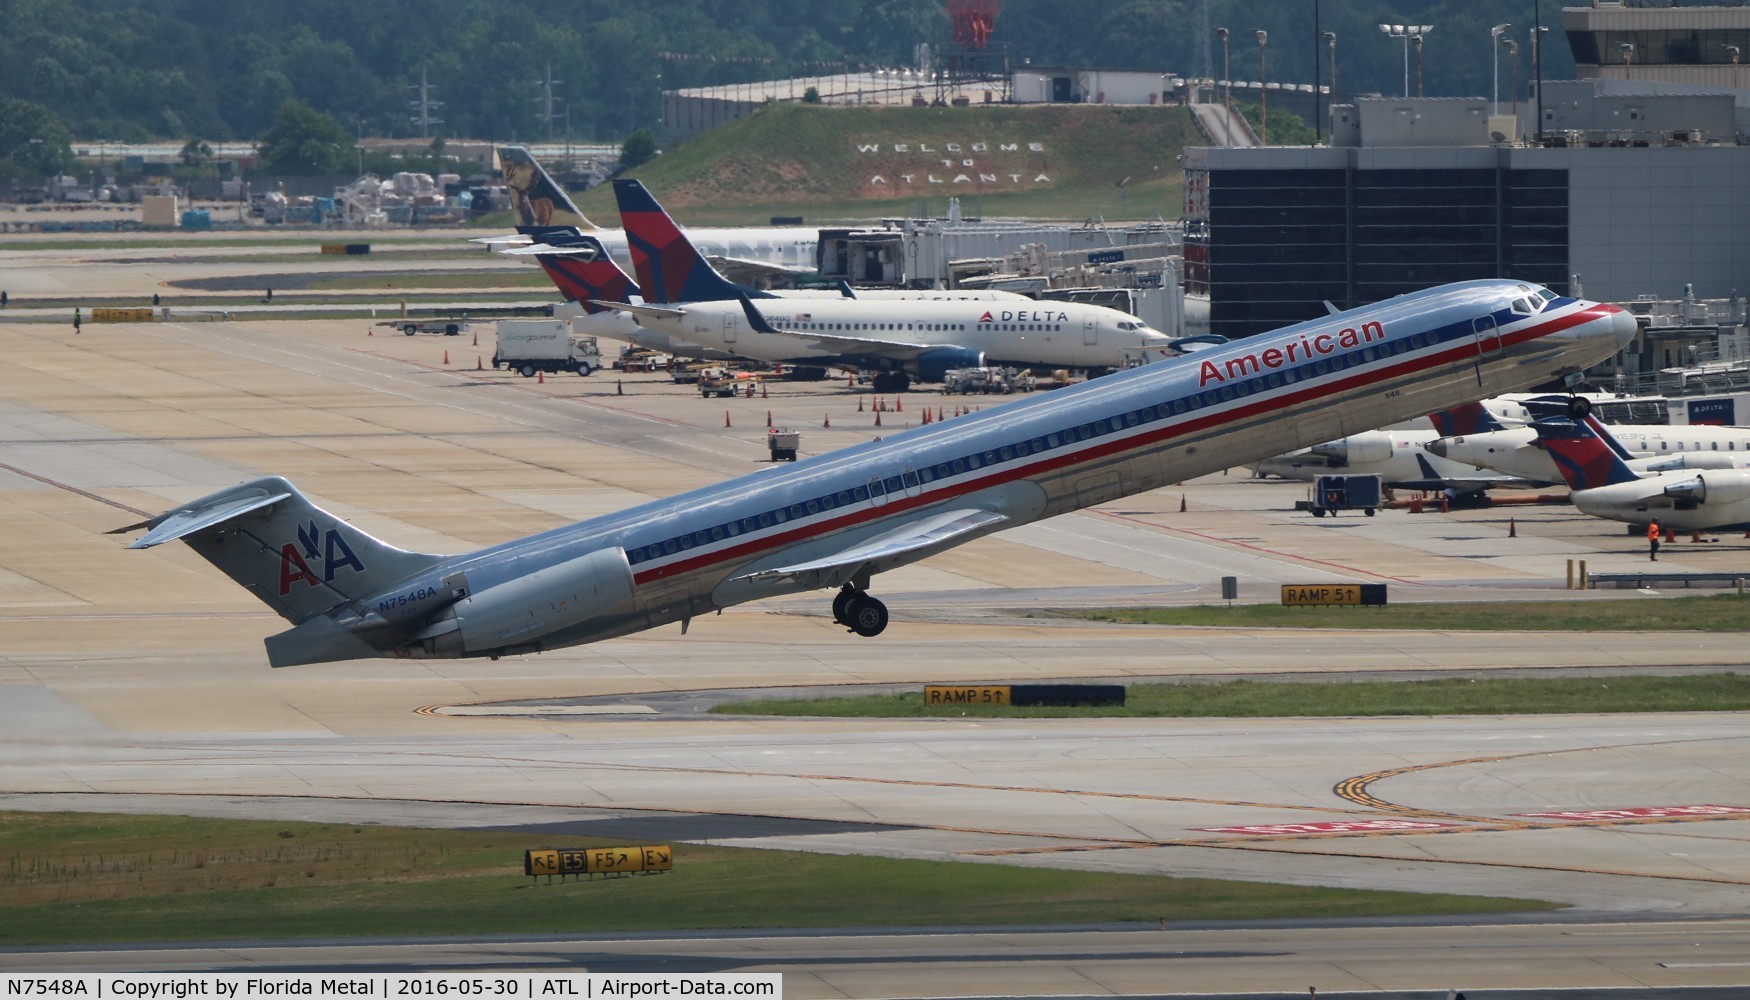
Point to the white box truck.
(527, 346)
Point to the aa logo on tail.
(333, 552)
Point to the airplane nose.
(1623, 326)
(1436, 447)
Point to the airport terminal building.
(1636, 189)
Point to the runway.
(136, 681)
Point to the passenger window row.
(912, 480)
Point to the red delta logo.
(332, 552)
(1294, 352)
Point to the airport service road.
(1691, 960)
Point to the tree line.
(132, 70)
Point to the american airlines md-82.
(836, 520)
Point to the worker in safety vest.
(1653, 540)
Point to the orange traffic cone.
(541, 377)
(926, 414)
(446, 357)
(1695, 536)
(768, 418)
(1181, 503)
(478, 365)
(878, 418)
(859, 404)
(898, 404)
(369, 332)
(827, 422)
(476, 338)
(763, 393)
(938, 413)
(1671, 534)
(1512, 529)
(726, 418)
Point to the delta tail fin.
(581, 268)
(296, 557)
(670, 268)
(1585, 453)
(535, 198)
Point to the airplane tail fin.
(1586, 454)
(1471, 418)
(670, 268)
(534, 197)
(581, 269)
(296, 557)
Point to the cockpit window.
(1546, 295)
(1523, 307)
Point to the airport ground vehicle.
(783, 442)
(527, 346)
(447, 327)
(968, 381)
(724, 383)
(1331, 494)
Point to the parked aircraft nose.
(1436, 447)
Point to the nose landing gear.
(859, 612)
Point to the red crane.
(972, 21)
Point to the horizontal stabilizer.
(905, 543)
(543, 249)
(654, 312)
(171, 525)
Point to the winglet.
(846, 290)
(755, 320)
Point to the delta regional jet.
(835, 520)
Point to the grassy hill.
(832, 164)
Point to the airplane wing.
(508, 239)
(910, 541)
(874, 347)
(893, 350)
(742, 270)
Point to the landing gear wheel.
(841, 602)
(1579, 407)
(868, 617)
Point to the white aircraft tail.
(535, 198)
(296, 557)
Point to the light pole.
(1408, 32)
(1628, 58)
(1417, 39)
(1227, 89)
(1495, 80)
(1733, 51)
(1331, 40)
(1537, 32)
(1263, 38)
(1513, 56)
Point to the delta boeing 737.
(836, 520)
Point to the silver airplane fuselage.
(836, 519)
